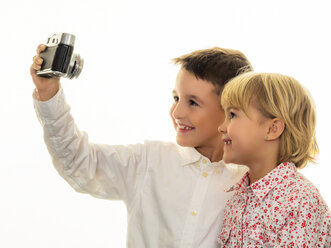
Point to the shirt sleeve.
(104, 171)
(308, 223)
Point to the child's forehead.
(237, 98)
(191, 85)
(230, 108)
(184, 75)
(239, 106)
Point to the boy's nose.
(177, 111)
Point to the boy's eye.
(176, 98)
(232, 115)
(193, 103)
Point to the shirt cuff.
(52, 108)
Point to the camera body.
(59, 59)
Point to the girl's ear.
(275, 130)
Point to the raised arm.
(104, 171)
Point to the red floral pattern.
(283, 209)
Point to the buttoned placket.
(192, 217)
(244, 198)
(247, 198)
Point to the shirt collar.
(263, 186)
(242, 185)
(189, 155)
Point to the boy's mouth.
(184, 128)
(227, 141)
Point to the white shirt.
(175, 197)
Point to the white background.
(124, 93)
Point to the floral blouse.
(283, 209)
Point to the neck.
(214, 154)
(256, 173)
(261, 169)
(265, 161)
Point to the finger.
(35, 67)
(41, 48)
(37, 60)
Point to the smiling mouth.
(183, 128)
(227, 142)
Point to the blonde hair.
(276, 95)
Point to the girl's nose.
(222, 128)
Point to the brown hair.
(216, 65)
(277, 95)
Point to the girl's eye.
(176, 98)
(232, 115)
(193, 103)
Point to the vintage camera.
(59, 59)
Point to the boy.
(174, 193)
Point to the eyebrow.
(193, 97)
(230, 107)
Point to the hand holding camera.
(46, 87)
(54, 60)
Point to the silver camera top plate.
(62, 38)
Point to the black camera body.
(59, 59)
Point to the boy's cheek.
(171, 110)
(172, 118)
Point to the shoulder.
(170, 152)
(172, 147)
(162, 149)
(143, 148)
(299, 184)
(159, 143)
(160, 146)
(304, 195)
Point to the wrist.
(46, 94)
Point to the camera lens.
(75, 66)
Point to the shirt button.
(204, 161)
(197, 165)
(217, 171)
(194, 213)
(205, 174)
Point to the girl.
(270, 127)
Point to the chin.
(185, 143)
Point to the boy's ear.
(276, 128)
